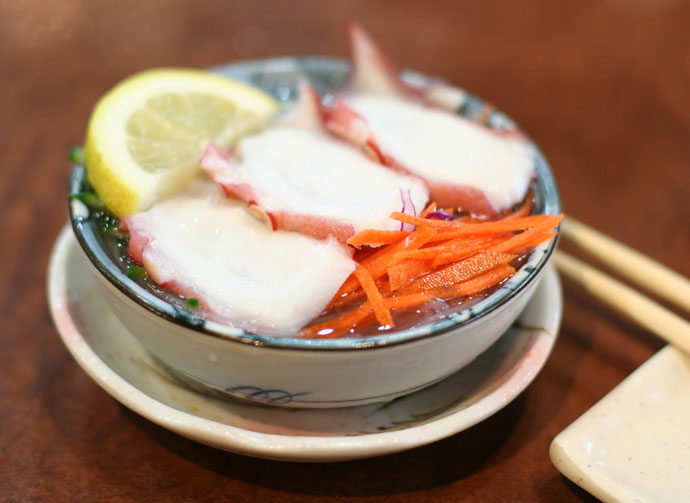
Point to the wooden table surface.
(602, 87)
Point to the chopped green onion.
(76, 155)
(135, 271)
(193, 303)
(90, 199)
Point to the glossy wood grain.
(602, 87)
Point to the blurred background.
(602, 86)
(571, 73)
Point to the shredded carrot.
(378, 263)
(412, 220)
(518, 240)
(457, 272)
(455, 233)
(405, 271)
(461, 252)
(508, 225)
(429, 209)
(475, 286)
(535, 241)
(383, 315)
(374, 237)
(441, 259)
(489, 227)
(452, 250)
(382, 284)
(467, 288)
(451, 245)
(432, 222)
(405, 301)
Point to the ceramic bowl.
(291, 371)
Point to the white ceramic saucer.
(634, 444)
(118, 363)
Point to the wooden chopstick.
(644, 271)
(655, 318)
(635, 266)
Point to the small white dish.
(634, 444)
(120, 365)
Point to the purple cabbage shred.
(440, 215)
(405, 200)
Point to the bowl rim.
(253, 71)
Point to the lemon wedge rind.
(146, 136)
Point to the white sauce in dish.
(446, 148)
(207, 247)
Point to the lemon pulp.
(146, 136)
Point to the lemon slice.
(146, 136)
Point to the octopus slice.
(411, 130)
(299, 177)
(202, 245)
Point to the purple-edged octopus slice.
(411, 130)
(300, 177)
(199, 244)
